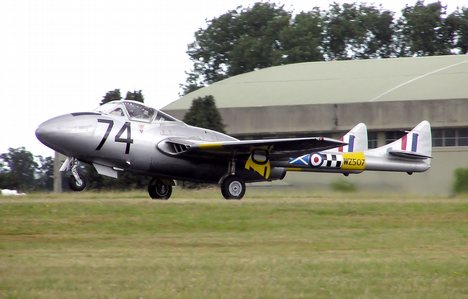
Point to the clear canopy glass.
(134, 111)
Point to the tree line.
(115, 95)
(265, 34)
(21, 170)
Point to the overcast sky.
(61, 56)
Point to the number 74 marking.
(118, 137)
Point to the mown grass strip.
(123, 245)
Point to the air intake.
(172, 148)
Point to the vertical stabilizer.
(356, 139)
(416, 144)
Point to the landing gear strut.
(158, 189)
(75, 181)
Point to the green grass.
(272, 244)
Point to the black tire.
(73, 183)
(233, 187)
(159, 190)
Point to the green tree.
(380, 32)
(457, 30)
(461, 180)
(203, 113)
(4, 179)
(264, 35)
(18, 169)
(238, 41)
(357, 31)
(113, 95)
(423, 30)
(45, 173)
(302, 40)
(258, 45)
(135, 96)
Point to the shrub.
(461, 180)
(343, 186)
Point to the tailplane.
(411, 153)
(416, 144)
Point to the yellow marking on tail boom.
(354, 161)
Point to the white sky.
(61, 56)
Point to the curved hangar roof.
(352, 81)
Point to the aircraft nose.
(43, 131)
(68, 133)
(47, 133)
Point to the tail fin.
(417, 144)
(356, 139)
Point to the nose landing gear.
(75, 181)
(77, 185)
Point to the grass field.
(272, 244)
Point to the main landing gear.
(158, 189)
(232, 187)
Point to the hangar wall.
(330, 118)
(334, 119)
(328, 98)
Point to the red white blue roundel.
(316, 160)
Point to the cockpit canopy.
(134, 111)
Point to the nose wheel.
(75, 181)
(157, 189)
(77, 185)
(233, 187)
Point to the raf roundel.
(316, 160)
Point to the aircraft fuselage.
(130, 145)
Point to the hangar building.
(329, 98)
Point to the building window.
(372, 139)
(437, 137)
(450, 137)
(393, 135)
(463, 137)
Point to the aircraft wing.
(276, 148)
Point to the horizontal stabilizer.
(407, 154)
(416, 144)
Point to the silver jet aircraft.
(129, 136)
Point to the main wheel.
(75, 185)
(233, 187)
(159, 190)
